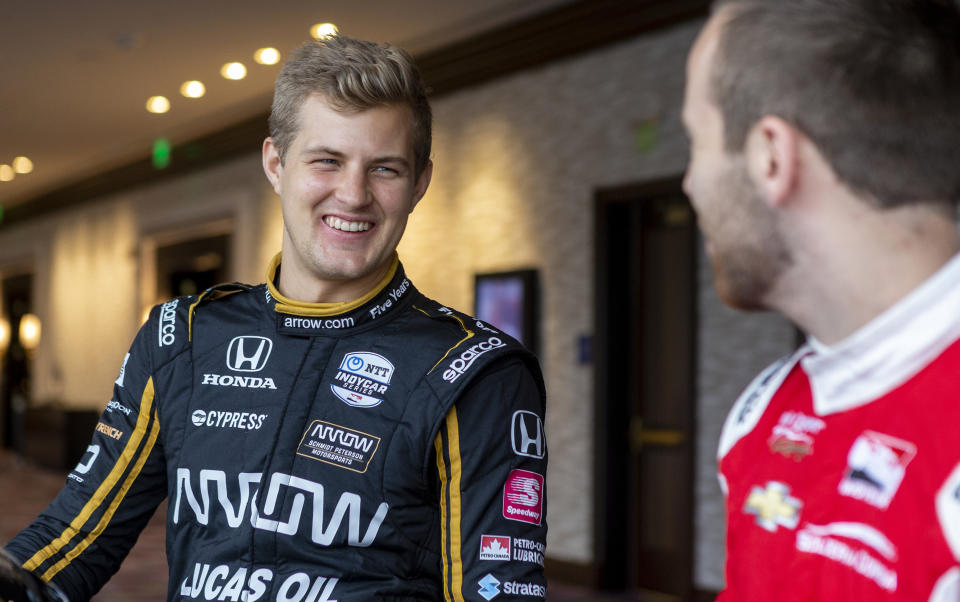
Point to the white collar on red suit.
(888, 350)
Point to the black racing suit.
(388, 449)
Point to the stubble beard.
(749, 252)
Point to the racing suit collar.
(888, 350)
(303, 318)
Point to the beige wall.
(93, 278)
(518, 164)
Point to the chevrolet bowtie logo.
(773, 506)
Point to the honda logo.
(248, 353)
(527, 434)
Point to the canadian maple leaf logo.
(495, 547)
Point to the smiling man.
(331, 434)
(823, 172)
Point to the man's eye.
(326, 161)
(385, 171)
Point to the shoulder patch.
(948, 511)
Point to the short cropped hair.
(352, 75)
(875, 84)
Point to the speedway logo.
(523, 496)
(460, 365)
(235, 420)
(339, 445)
(224, 582)
(307, 513)
(363, 379)
(248, 353)
(168, 317)
(247, 382)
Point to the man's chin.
(740, 297)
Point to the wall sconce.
(4, 336)
(29, 331)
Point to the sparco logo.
(307, 513)
(466, 359)
(168, 317)
(247, 382)
(248, 353)
(234, 420)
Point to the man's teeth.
(345, 226)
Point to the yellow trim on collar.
(303, 308)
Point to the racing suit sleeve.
(79, 541)
(492, 460)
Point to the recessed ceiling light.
(22, 165)
(158, 104)
(233, 71)
(267, 56)
(324, 30)
(192, 89)
(6, 173)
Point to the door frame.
(612, 551)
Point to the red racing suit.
(841, 465)
(385, 449)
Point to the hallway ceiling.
(76, 75)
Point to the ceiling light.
(22, 165)
(233, 71)
(6, 173)
(267, 56)
(324, 30)
(158, 104)
(192, 89)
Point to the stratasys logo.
(235, 420)
(460, 365)
(247, 382)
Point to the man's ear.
(423, 182)
(272, 164)
(772, 153)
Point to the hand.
(20, 585)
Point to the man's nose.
(352, 187)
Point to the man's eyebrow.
(322, 150)
(392, 159)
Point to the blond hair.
(352, 75)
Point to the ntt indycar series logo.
(363, 379)
(460, 365)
